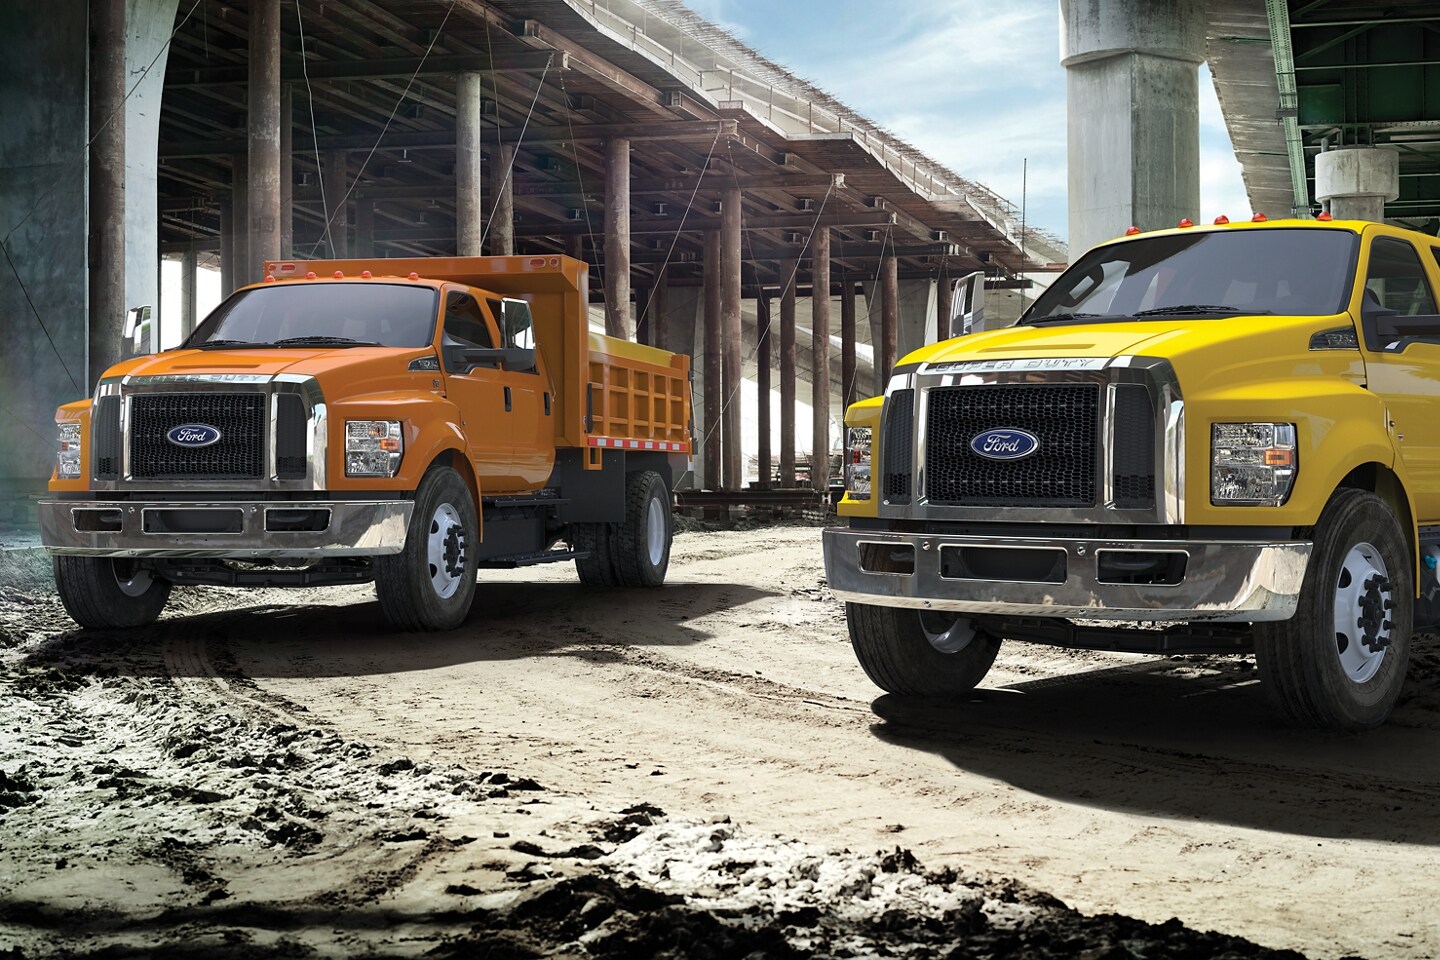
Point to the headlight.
(67, 451)
(373, 448)
(857, 462)
(1252, 463)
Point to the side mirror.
(137, 338)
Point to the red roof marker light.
(1132, 231)
(1187, 222)
(1259, 218)
(1222, 219)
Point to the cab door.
(529, 396)
(478, 390)
(1402, 339)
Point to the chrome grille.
(1060, 473)
(238, 455)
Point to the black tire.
(101, 593)
(894, 648)
(1347, 675)
(597, 567)
(641, 545)
(431, 583)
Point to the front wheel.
(1340, 662)
(101, 593)
(900, 649)
(430, 584)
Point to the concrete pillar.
(889, 320)
(148, 26)
(1132, 94)
(188, 267)
(263, 102)
(788, 270)
(107, 185)
(337, 186)
(731, 331)
(916, 314)
(820, 362)
(502, 186)
(617, 238)
(364, 229)
(287, 171)
(469, 209)
(714, 398)
(762, 388)
(847, 342)
(1356, 182)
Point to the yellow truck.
(1220, 438)
(402, 421)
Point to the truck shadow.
(1147, 739)
(509, 621)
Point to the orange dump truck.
(406, 422)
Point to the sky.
(976, 85)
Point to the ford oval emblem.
(1005, 444)
(193, 435)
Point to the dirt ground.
(698, 771)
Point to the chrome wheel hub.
(445, 550)
(655, 531)
(1363, 602)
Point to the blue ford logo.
(193, 435)
(1004, 444)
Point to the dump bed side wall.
(638, 397)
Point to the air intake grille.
(1061, 471)
(1133, 456)
(290, 437)
(239, 454)
(105, 459)
(897, 440)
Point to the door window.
(1396, 279)
(466, 326)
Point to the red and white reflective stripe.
(623, 444)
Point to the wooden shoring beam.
(708, 185)
(445, 139)
(586, 61)
(293, 71)
(800, 222)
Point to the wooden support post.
(944, 302)
(337, 184)
(889, 318)
(469, 212)
(502, 185)
(263, 170)
(762, 387)
(642, 315)
(788, 270)
(364, 229)
(227, 247)
(107, 185)
(617, 240)
(714, 397)
(730, 329)
(287, 172)
(847, 342)
(658, 310)
(189, 262)
(575, 247)
(820, 360)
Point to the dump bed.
(608, 392)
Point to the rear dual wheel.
(636, 551)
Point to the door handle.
(507, 399)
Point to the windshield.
(322, 314)
(1301, 272)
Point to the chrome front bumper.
(137, 528)
(1222, 580)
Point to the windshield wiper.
(1059, 318)
(324, 342)
(1200, 310)
(222, 344)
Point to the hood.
(306, 361)
(1097, 340)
